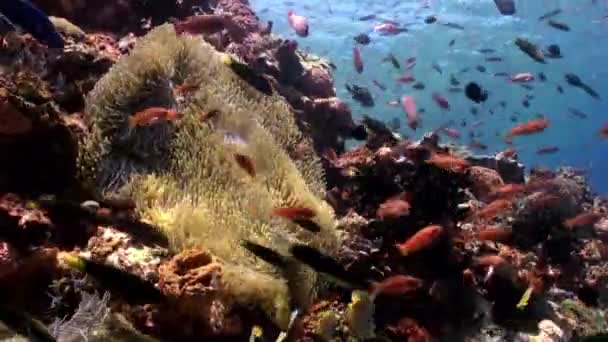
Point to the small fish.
(448, 162)
(409, 107)
(245, 163)
(393, 103)
(576, 81)
(138, 291)
(397, 285)
(486, 51)
(501, 74)
(542, 77)
(493, 208)
(522, 77)
(367, 17)
(361, 95)
(525, 298)
(496, 234)
(560, 89)
(584, 219)
(558, 25)
(547, 149)
(307, 224)
(481, 68)
(362, 39)
(454, 81)
(530, 49)
(152, 115)
(379, 85)
(475, 92)
(423, 239)
(247, 74)
(505, 7)
(453, 25)
(357, 61)
(550, 14)
(529, 127)
(407, 78)
(577, 113)
(604, 131)
(494, 59)
(410, 63)
(430, 19)
(441, 101)
(450, 132)
(508, 191)
(298, 23)
(452, 42)
(437, 68)
(418, 86)
(391, 58)
(327, 266)
(294, 212)
(389, 28)
(264, 253)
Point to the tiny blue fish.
(32, 20)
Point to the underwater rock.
(484, 181)
(509, 170)
(193, 279)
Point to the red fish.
(388, 28)
(451, 132)
(448, 162)
(409, 106)
(298, 23)
(358, 62)
(423, 239)
(548, 149)
(394, 207)
(604, 131)
(584, 219)
(493, 208)
(410, 63)
(407, 78)
(529, 127)
(522, 77)
(496, 234)
(152, 115)
(294, 212)
(245, 163)
(441, 101)
(508, 190)
(396, 285)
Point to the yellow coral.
(184, 177)
(359, 315)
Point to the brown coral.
(485, 181)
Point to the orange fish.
(294, 212)
(358, 62)
(202, 24)
(448, 162)
(496, 234)
(185, 88)
(152, 115)
(508, 191)
(489, 260)
(245, 163)
(529, 127)
(584, 219)
(604, 131)
(509, 152)
(396, 285)
(409, 106)
(490, 210)
(423, 239)
(393, 208)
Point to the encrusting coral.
(183, 174)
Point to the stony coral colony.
(432, 241)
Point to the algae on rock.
(183, 174)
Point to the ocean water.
(333, 24)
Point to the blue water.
(333, 24)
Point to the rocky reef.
(175, 225)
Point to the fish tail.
(132, 121)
